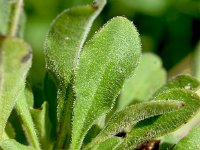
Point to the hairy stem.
(15, 17)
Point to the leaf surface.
(191, 141)
(149, 76)
(15, 61)
(107, 60)
(4, 16)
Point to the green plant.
(100, 104)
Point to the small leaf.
(107, 60)
(141, 86)
(123, 120)
(158, 126)
(15, 61)
(191, 141)
(43, 125)
(23, 111)
(11, 144)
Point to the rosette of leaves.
(87, 105)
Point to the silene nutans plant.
(99, 92)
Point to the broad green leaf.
(15, 61)
(23, 111)
(164, 124)
(43, 125)
(182, 81)
(63, 46)
(191, 141)
(149, 76)
(107, 60)
(11, 144)
(4, 16)
(64, 43)
(123, 120)
(196, 63)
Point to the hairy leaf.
(43, 125)
(15, 61)
(11, 144)
(182, 81)
(23, 111)
(62, 49)
(164, 124)
(191, 141)
(141, 86)
(107, 60)
(123, 120)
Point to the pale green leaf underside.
(123, 120)
(23, 111)
(107, 60)
(11, 144)
(159, 126)
(15, 61)
(149, 76)
(191, 141)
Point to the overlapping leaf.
(62, 49)
(126, 118)
(107, 60)
(158, 126)
(15, 61)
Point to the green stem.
(15, 17)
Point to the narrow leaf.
(107, 60)
(23, 111)
(15, 61)
(141, 86)
(11, 144)
(191, 141)
(123, 120)
(164, 124)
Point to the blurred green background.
(169, 28)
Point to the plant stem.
(15, 17)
